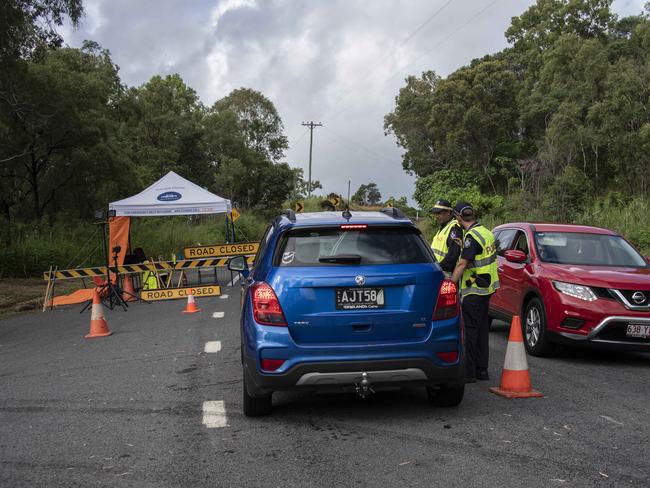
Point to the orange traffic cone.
(515, 380)
(98, 325)
(128, 292)
(191, 306)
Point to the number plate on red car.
(638, 330)
(359, 298)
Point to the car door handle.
(500, 269)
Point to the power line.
(352, 143)
(436, 46)
(394, 51)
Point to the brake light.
(266, 307)
(354, 226)
(272, 364)
(447, 305)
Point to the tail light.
(272, 364)
(266, 307)
(448, 356)
(447, 305)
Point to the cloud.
(338, 62)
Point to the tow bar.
(363, 387)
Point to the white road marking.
(218, 315)
(223, 297)
(214, 414)
(612, 420)
(234, 280)
(213, 346)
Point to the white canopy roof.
(171, 195)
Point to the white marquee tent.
(171, 195)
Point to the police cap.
(464, 209)
(441, 206)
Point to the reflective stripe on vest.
(483, 264)
(439, 243)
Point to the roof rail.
(290, 214)
(396, 213)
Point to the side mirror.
(238, 263)
(515, 256)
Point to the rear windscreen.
(305, 247)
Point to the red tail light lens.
(447, 305)
(266, 307)
(448, 357)
(272, 364)
(354, 226)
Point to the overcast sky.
(339, 62)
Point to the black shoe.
(482, 374)
(470, 379)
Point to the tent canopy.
(171, 195)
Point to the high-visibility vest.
(483, 264)
(439, 243)
(150, 280)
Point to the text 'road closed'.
(241, 249)
(174, 293)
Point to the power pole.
(311, 126)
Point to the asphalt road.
(128, 410)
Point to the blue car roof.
(317, 219)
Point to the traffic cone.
(515, 380)
(98, 325)
(128, 292)
(191, 305)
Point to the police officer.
(447, 241)
(476, 272)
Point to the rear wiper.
(341, 259)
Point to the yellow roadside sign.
(175, 293)
(234, 215)
(335, 200)
(389, 205)
(299, 207)
(241, 249)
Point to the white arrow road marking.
(213, 346)
(214, 414)
(223, 297)
(218, 315)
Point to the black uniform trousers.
(477, 329)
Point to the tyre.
(533, 328)
(255, 405)
(446, 396)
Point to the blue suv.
(347, 302)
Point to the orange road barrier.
(98, 325)
(191, 305)
(128, 292)
(515, 379)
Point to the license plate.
(638, 330)
(359, 298)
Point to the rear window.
(305, 247)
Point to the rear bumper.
(342, 375)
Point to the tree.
(409, 123)
(66, 98)
(367, 195)
(258, 121)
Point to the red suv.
(572, 284)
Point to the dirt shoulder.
(26, 294)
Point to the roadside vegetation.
(556, 127)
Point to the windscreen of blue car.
(587, 249)
(305, 247)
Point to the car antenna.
(346, 213)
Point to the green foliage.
(455, 186)
(367, 195)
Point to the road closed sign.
(175, 293)
(241, 249)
